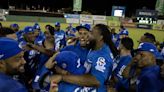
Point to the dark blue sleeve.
(149, 84)
(23, 89)
(63, 41)
(67, 48)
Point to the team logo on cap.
(140, 46)
(124, 32)
(152, 50)
(1, 56)
(37, 27)
(64, 65)
(30, 29)
(78, 63)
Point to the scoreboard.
(145, 18)
(118, 11)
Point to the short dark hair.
(150, 37)
(6, 31)
(127, 42)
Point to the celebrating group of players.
(80, 59)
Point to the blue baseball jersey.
(162, 52)
(114, 37)
(32, 61)
(7, 84)
(117, 43)
(39, 39)
(19, 35)
(59, 39)
(149, 80)
(41, 70)
(99, 64)
(81, 52)
(121, 65)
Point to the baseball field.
(134, 33)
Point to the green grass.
(134, 33)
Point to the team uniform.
(121, 64)
(31, 57)
(59, 39)
(114, 37)
(19, 35)
(41, 71)
(149, 80)
(41, 37)
(99, 64)
(10, 85)
(162, 52)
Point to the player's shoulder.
(68, 48)
(12, 85)
(62, 31)
(153, 73)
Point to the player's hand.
(53, 87)
(50, 63)
(55, 79)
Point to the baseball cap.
(28, 29)
(85, 26)
(8, 48)
(69, 61)
(36, 26)
(14, 25)
(57, 24)
(146, 46)
(124, 32)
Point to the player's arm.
(128, 69)
(82, 80)
(42, 49)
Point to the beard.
(14, 71)
(91, 44)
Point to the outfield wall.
(34, 19)
(134, 33)
(110, 20)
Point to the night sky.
(101, 7)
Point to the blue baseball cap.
(146, 46)
(124, 32)
(14, 25)
(36, 26)
(85, 26)
(69, 61)
(8, 48)
(57, 24)
(28, 29)
(74, 29)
